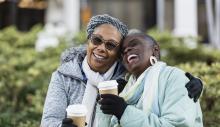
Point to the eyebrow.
(134, 40)
(148, 41)
(108, 39)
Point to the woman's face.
(99, 58)
(136, 53)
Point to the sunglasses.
(109, 44)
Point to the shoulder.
(172, 79)
(173, 97)
(57, 77)
(72, 53)
(172, 73)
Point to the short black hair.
(146, 37)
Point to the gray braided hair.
(106, 19)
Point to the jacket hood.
(71, 60)
(73, 53)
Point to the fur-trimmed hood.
(71, 61)
(73, 52)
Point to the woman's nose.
(101, 47)
(126, 50)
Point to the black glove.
(67, 122)
(121, 84)
(194, 87)
(113, 105)
(98, 98)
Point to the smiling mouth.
(99, 57)
(131, 58)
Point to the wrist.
(123, 108)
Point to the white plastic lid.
(76, 110)
(111, 84)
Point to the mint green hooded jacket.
(176, 109)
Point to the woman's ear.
(156, 51)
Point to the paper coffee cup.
(77, 113)
(108, 87)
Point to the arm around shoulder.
(176, 107)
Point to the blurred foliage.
(210, 75)
(24, 77)
(175, 50)
(80, 37)
(25, 73)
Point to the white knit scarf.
(148, 81)
(89, 98)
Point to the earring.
(153, 60)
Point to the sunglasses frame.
(112, 42)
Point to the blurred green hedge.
(210, 74)
(25, 74)
(24, 77)
(177, 50)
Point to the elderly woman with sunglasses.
(75, 81)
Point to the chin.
(132, 68)
(96, 68)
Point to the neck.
(137, 75)
(100, 71)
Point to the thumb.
(189, 76)
(67, 121)
(121, 81)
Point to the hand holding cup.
(77, 113)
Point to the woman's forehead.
(136, 39)
(108, 32)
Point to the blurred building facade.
(22, 13)
(172, 15)
(182, 17)
(140, 14)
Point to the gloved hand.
(194, 87)
(67, 122)
(121, 84)
(113, 105)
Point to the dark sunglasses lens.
(110, 45)
(96, 40)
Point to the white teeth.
(130, 57)
(99, 57)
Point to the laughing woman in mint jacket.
(155, 95)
